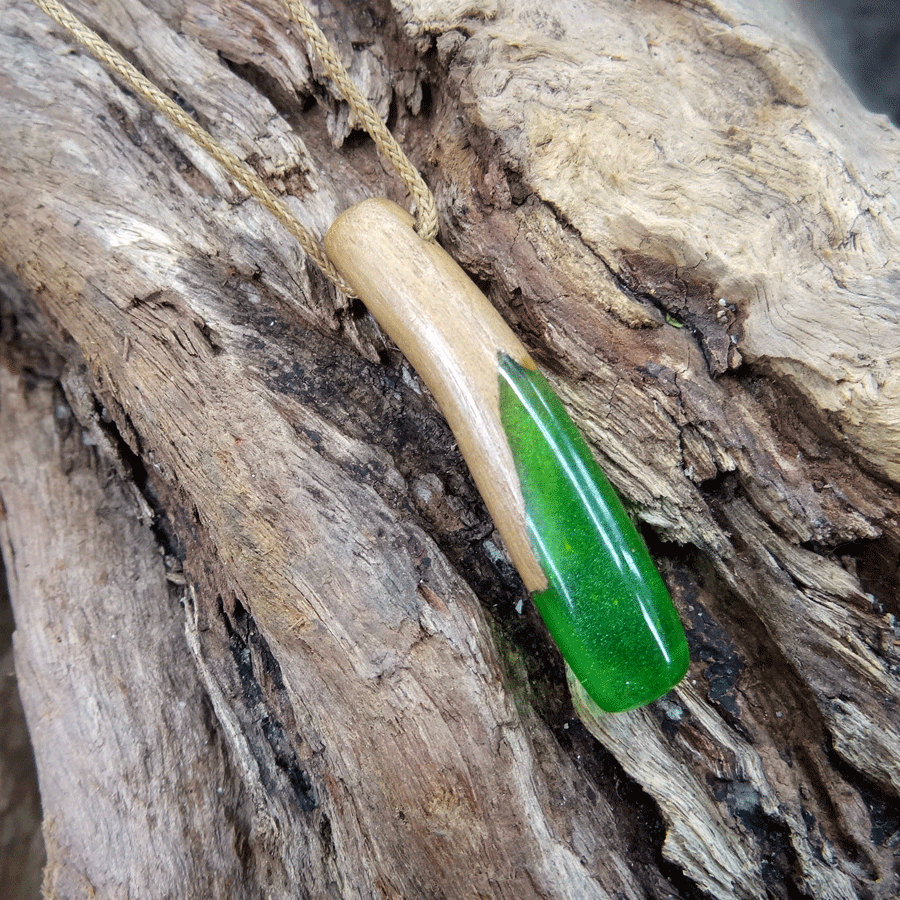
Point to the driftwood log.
(267, 641)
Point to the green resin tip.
(606, 604)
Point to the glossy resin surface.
(606, 606)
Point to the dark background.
(862, 39)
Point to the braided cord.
(386, 143)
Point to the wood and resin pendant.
(593, 581)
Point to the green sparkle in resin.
(606, 606)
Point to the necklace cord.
(242, 173)
(426, 208)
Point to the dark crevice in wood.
(815, 431)
(22, 853)
(884, 810)
(780, 687)
(289, 105)
(876, 562)
(778, 860)
(715, 651)
(135, 470)
(691, 300)
(255, 663)
(27, 339)
(833, 825)
(722, 487)
(641, 826)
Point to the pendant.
(591, 576)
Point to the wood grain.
(641, 132)
(105, 673)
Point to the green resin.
(606, 606)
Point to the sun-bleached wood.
(452, 336)
(641, 142)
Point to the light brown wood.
(393, 726)
(452, 336)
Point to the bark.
(267, 640)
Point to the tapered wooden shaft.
(452, 336)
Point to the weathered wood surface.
(128, 755)
(386, 724)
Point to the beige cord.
(236, 167)
(427, 222)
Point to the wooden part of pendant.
(452, 337)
